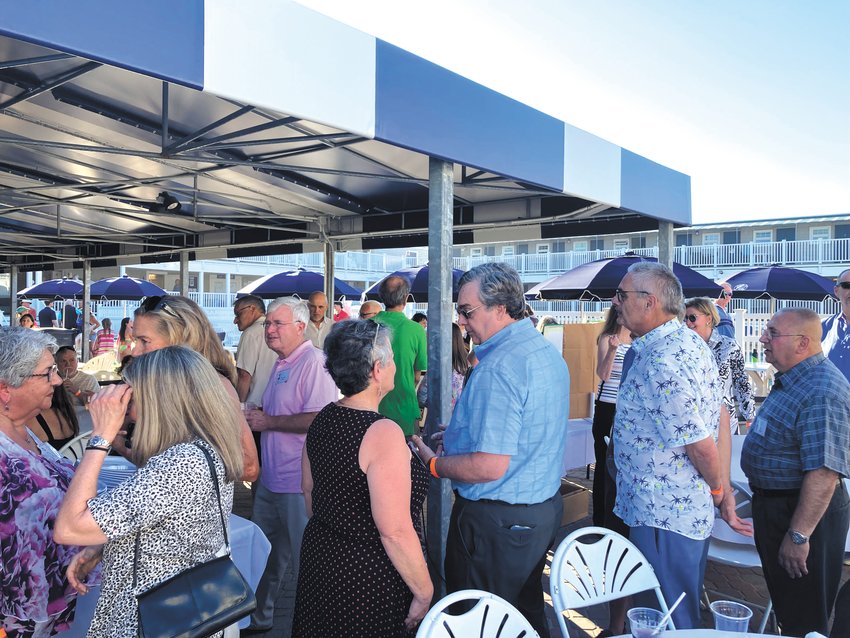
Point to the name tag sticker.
(283, 376)
(759, 426)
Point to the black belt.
(758, 491)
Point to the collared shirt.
(256, 358)
(736, 383)
(410, 351)
(317, 335)
(516, 403)
(803, 425)
(82, 382)
(725, 327)
(298, 383)
(669, 399)
(836, 342)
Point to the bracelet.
(717, 492)
(99, 448)
(432, 465)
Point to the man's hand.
(256, 420)
(730, 515)
(425, 453)
(792, 558)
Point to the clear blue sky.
(751, 98)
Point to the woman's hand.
(81, 565)
(614, 341)
(108, 409)
(417, 611)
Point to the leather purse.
(198, 601)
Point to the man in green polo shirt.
(409, 350)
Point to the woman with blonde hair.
(177, 321)
(702, 317)
(169, 508)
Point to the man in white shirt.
(319, 325)
(79, 384)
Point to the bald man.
(794, 456)
(319, 325)
(369, 309)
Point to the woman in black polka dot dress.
(363, 572)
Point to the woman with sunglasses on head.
(362, 572)
(169, 510)
(702, 317)
(178, 321)
(36, 599)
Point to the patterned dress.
(171, 503)
(733, 376)
(347, 585)
(36, 600)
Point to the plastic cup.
(731, 616)
(643, 622)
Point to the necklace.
(346, 403)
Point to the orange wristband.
(432, 465)
(717, 492)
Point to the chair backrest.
(588, 571)
(75, 448)
(490, 617)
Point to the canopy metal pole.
(665, 243)
(13, 296)
(330, 270)
(440, 207)
(184, 274)
(84, 346)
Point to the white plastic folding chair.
(74, 448)
(590, 571)
(490, 617)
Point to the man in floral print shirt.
(668, 412)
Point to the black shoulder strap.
(46, 428)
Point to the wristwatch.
(797, 538)
(97, 442)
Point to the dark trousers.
(501, 548)
(603, 420)
(802, 604)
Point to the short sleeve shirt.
(516, 403)
(298, 383)
(317, 335)
(670, 398)
(256, 358)
(410, 351)
(803, 425)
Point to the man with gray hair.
(668, 415)
(835, 337)
(298, 388)
(795, 454)
(410, 350)
(725, 326)
(504, 447)
(254, 359)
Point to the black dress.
(347, 585)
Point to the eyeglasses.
(375, 340)
(693, 318)
(280, 324)
(770, 336)
(49, 374)
(466, 314)
(367, 315)
(725, 295)
(158, 302)
(621, 294)
(843, 284)
(236, 313)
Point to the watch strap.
(97, 442)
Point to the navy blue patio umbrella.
(599, 279)
(63, 288)
(124, 288)
(300, 283)
(417, 277)
(780, 282)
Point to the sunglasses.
(843, 284)
(466, 314)
(157, 303)
(692, 318)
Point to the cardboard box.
(579, 350)
(576, 501)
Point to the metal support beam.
(51, 83)
(440, 204)
(184, 274)
(665, 243)
(85, 346)
(13, 295)
(329, 278)
(164, 143)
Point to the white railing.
(368, 263)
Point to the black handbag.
(198, 601)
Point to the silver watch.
(798, 538)
(97, 442)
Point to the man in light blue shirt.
(836, 335)
(504, 447)
(726, 326)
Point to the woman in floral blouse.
(36, 600)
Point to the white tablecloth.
(578, 451)
(250, 550)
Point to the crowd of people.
(321, 414)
